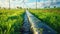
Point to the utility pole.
(23, 3)
(36, 4)
(9, 4)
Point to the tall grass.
(11, 21)
(50, 16)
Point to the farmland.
(11, 21)
(51, 17)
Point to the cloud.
(3, 3)
(33, 5)
(28, 3)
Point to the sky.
(29, 3)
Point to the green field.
(51, 17)
(11, 21)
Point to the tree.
(54, 6)
(19, 7)
(48, 6)
(0, 7)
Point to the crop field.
(51, 17)
(11, 21)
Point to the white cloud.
(20, 3)
(33, 4)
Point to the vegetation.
(50, 16)
(11, 21)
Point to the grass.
(50, 16)
(11, 21)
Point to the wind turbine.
(24, 3)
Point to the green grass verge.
(11, 21)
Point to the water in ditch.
(26, 29)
